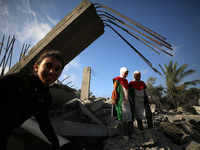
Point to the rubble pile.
(172, 130)
(89, 124)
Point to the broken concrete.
(70, 37)
(32, 127)
(179, 109)
(61, 94)
(176, 118)
(75, 122)
(85, 89)
(86, 112)
(197, 108)
(96, 105)
(153, 108)
(82, 129)
(108, 103)
(193, 146)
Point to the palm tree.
(173, 76)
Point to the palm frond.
(186, 73)
(195, 82)
(181, 69)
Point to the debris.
(81, 129)
(193, 146)
(77, 123)
(197, 108)
(179, 109)
(32, 127)
(172, 131)
(153, 108)
(86, 112)
(61, 94)
(96, 105)
(108, 103)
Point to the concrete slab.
(86, 112)
(68, 128)
(96, 105)
(61, 94)
(108, 103)
(175, 118)
(197, 108)
(193, 146)
(32, 127)
(70, 36)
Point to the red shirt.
(122, 81)
(137, 85)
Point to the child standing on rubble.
(121, 103)
(24, 96)
(137, 90)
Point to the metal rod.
(72, 85)
(64, 79)
(123, 23)
(69, 82)
(11, 52)
(2, 44)
(132, 34)
(27, 49)
(7, 49)
(156, 35)
(150, 38)
(7, 55)
(21, 52)
(131, 46)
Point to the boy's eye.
(58, 69)
(48, 65)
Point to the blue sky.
(177, 20)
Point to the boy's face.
(48, 70)
(137, 77)
(125, 74)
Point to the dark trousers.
(149, 123)
(5, 132)
(140, 125)
(127, 128)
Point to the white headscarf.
(122, 70)
(135, 73)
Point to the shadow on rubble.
(89, 124)
(92, 126)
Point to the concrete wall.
(85, 89)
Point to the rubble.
(193, 146)
(32, 127)
(197, 108)
(60, 94)
(89, 124)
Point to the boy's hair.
(49, 53)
